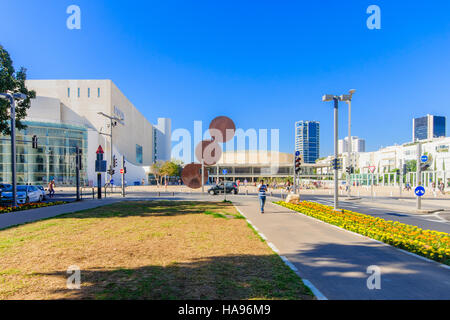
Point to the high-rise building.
(358, 145)
(428, 127)
(307, 140)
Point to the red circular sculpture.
(222, 129)
(191, 175)
(208, 150)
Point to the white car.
(25, 194)
(41, 188)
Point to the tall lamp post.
(335, 99)
(348, 99)
(12, 103)
(112, 123)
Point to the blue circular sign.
(419, 191)
(424, 158)
(297, 153)
(224, 171)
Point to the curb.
(286, 261)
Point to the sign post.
(224, 172)
(372, 169)
(122, 172)
(419, 174)
(78, 161)
(100, 166)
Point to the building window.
(98, 92)
(89, 92)
(68, 92)
(78, 92)
(139, 154)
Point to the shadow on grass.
(221, 277)
(153, 208)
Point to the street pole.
(203, 174)
(419, 174)
(336, 182)
(13, 150)
(371, 187)
(99, 185)
(400, 177)
(77, 170)
(349, 148)
(123, 176)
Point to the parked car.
(41, 188)
(230, 187)
(25, 194)
(5, 186)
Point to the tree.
(156, 170)
(411, 165)
(171, 169)
(12, 82)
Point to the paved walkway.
(20, 217)
(336, 261)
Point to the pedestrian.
(262, 188)
(51, 188)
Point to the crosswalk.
(331, 203)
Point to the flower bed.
(33, 205)
(431, 244)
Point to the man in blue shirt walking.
(262, 188)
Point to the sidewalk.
(335, 261)
(20, 217)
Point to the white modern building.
(65, 115)
(358, 145)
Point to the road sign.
(419, 191)
(372, 169)
(297, 153)
(99, 150)
(122, 171)
(224, 171)
(100, 165)
(424, 158)
(112, 181)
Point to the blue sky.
(265, 64)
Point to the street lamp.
(12, 103)
(348, 99)
(327, 98)
(113, 122)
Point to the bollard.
(159, 193)
(173, 194)
(93, 193)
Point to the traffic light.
(349, 169)
(111, 171)
(114, 161)
(298, 163)
(34, 142)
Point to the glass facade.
(139, 154)
(438, 126)
(307, 140)
(421, 128)
(53, 159)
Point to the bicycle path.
(335, 261)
